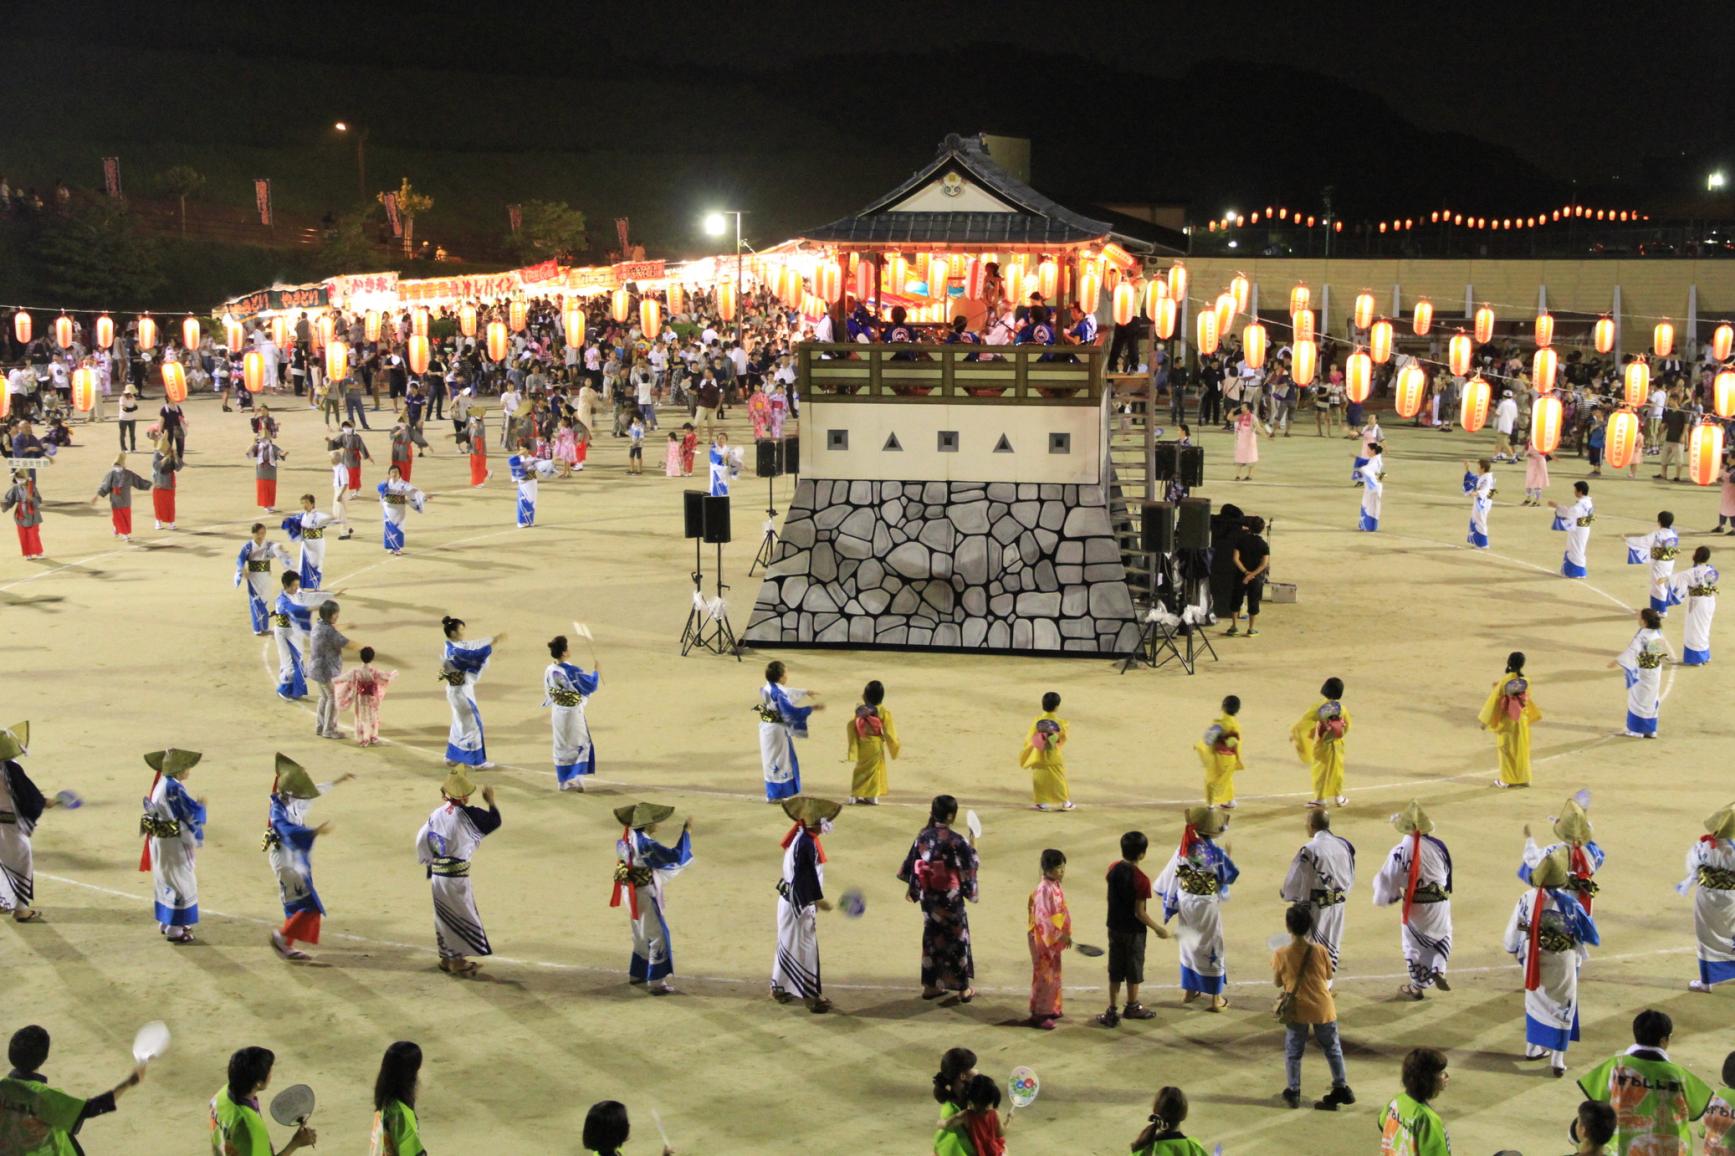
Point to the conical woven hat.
(1207, 821)
(15, 740)
(811, 811)
(638, 816)
(293, 781)
(173, 762)
(1412, 820)
(458, 784)
(1573, 823)
(1722, 824)
(1553, 871)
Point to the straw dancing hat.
(638, 816)
(1553, 871)
(1722, 824)
(173, 762)
(1412, 820)
(293, 781)
(15, 740)
(811, 811)
(1207, 821)
(1573, 823)
(458, 784)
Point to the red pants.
(403, 467)
(354, 477)
(30, 541)
(123, 520)
(478, 469)
(303, 925)
(163, 503)
(265, 492)
(583, 451)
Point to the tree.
(92, 258)
(548, 229)
(350, 244)
(182, 181)
(410, 203)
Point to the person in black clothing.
(1252, 560)
(28, 1106)
(1210, 391)
(1129, 889)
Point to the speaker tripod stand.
(1161, 635)
(708, 622)
(767, 544)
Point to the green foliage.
(349, 247)
(92, 257)
(181, 181)
(549, 229)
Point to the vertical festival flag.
(391, 201)
(111, 176)
(262, 198)
(515, 217)
(620, 228)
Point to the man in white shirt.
(509, 403)
(645, 393)
(709, 336)
(1656, 403)
(1505, 421)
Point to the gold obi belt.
(1650, 661)
(261, 567)
(1195, 882)
(451, 868)
(313, 535)
(565, 697)
(632, 875)
(159, 828)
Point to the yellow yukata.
(1324, 756)
(870, 752)
(1221, 760)
(1511, 733)
(1047, 763)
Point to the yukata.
(1584, 860)
(288, 845)
(253, 566)
(1220, 754)
(463, 667)
(643, 868)
(445, 845)
(1711, 868)
(940, 874)
(1044, 756)
(759, 413)
(308, 528)
(352, 450)
(403, 450)
(873, 741)
(396, 498)
(118, 486)
(1418, 873)
(525, 471)
(567, 688)
(364, 688)
(1657, 550)
(21, 807)
(1369, 436)
(1320, 876)
(1551, 935)
(781, 722)
(266, 456)
(174, 828)
(1373, 493)
(1698, 588)
(1642, 665)
(163, 470)
(777, 414)
(1049, 926)
(291, 624)
(1194, 885)
(1575, 520)
(689, 451)
(719, 472)
(795, 967)
(1508, 713)
(477, 431)
(26, 507)
(1480, 487)
(1318, 738)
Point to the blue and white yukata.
(22, 804)
(1370, 434)
(795, 966)
(643, 868)
(781, 722)
(1657, 550)
(1575, 520)
(1565, 934)
(1320, 877)
(395, 498)
(308, 528)
(1480, 487)
(1373, 492)
(253, 567)
(568, 688)
(445, 845)
(1426, 931)
(181, 820)
(1583, 863)
(524, 473)
(1642, 665)
(291, 623)
(464, 663)
(1195, 885)
(723, 468)
(289, 847)
(1711, 866)
(1698, 588)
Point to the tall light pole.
(715, 225)
(360, 133)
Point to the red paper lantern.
(1364, 309)
(1300, 297)
(620, 306)
(1253, 345)
(1473, 408)
(1048, 277)
(651, 317)
(498, 343)
(1301, 325)
(253, 371)
(147, 332)
(370, 325)
(1304, 359)
(1663, 338)
(726, 301)
(1459, 353)
(864, 280)
(1163, 317)
(1241, 290)
(1412, 383)
(1705, 453)
(174, 382)
(1723, 393)
(1178, 281)
(1638, 382)
(190, 333)
(416, 350)
(336, 360)
(1126, 302)
(84, 389)
(678, 297)
(1208, 332)
(573, 316)
(467, 320)
(1543, 367)
(1622, 438)
(517, 316)
(1484, 325)
(1358, 376)
(1603, 334)
(1423, 317)
(104, 331)
(1544, 329)
(21, 327)
(234, 336)
(1722, 338)
(419, 322)
(1380, 341)
(1224, 307)
(827, 284)
(1545, 419)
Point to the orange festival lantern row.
(336, 360)
(1458, 353)
(1663, 338)
(63, 331)
(234, 336)
(1722, 341)
(174, 382)
(1178, 281)
(517, 315)
(1473, 409)
(417, 354)
(1302, 325)
(1358, 376)
(1253, 345)
(726, 301)
(1622, 438)
(467, 320)
(147, 332)
(1542, 369)
(1723, 393)
(1544, 329)
(1423, 317)
(190, 333)
(1126, 303)
(573, 319)
(1364, 309)
(620, 305)
(827, 284)
(1603, 334)
(22, 328)
(1638, 382)
(1412, 383)
(1705, 453)
(1208, 333)
(1242, 291)
(84, 389)
(419, 322)
(1224, 307)
(1380, 341)
(104, 331)
(1545, 422)
(1163, 317)
(498, 343)
(253, 371)
(1304, 360)
(939, 276)
(1484, 326)
(651, 317)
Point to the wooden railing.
(1018, 374)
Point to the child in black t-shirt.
(1128, 891)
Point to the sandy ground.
(116, 650)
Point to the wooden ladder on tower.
(1131, 453)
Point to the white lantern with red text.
(864, 280)
(84, 389)
(324, 331)
(620, 305)
(1300, 297)
(1545, 420)
(1705, 453)
(1543, 368)
(1242, 291)
(498, 342)
(1048, 277)
(1304, 359)
(1208, 332)
(1364, 309)
(174, 382)
(1544, 329)
(1722, 340)
(572, 318)
(1459, 353)
(1473, 408)
(253, 371)
(678, 296)
(279, 331)
(1358, 376)
(1224, 308)
(1178, 281)
(1163, 317)
(416, 353)
(1411, 384)
(467, 319)
(1484, 325)
(370, 325)
(1621, 439)
(1423, 317)
(1253, 345)
(1638, 382)
(190, 333)
(1663, 338)
(1380, 341)
(234, 336)
(726, 301)
(1089, 290)
(517, 315)
(1301, 325)
(1603, 334)
(827, 284)
(336, 360)
(21, 327)
(939, 277)
(419, 322)
(63, 331)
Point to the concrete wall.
(980, 426)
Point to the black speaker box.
(1192, 466)
(693, 513)
(717, 518)
(1157, 528)
(1163, 464)
(1193, 527)
(792, 454)
(770, 459)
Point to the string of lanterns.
(1435, 217)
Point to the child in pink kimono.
(566, 443)
(1535, 476)
(1050, 936)
(672, 460)
(365, 686)
(778, 412)
(759, 412)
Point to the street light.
(715, 226)
(1716, 180)
(360, 131)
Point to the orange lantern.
(1163, 317)
(418, 322)
(190, 333)
(1473, 408)
(1126, 302)
(1225, 310)
(416, 350)
(574, 321)
(1412, 383)
(1208, 332)
(279, 331)
(1364, 309)
(1304, 359)
(63, 331)
(174, 382)
(678, 297)
(1622, 439)
(1543, 368)
(1089, 291)
(1484, 325)
(651, 317)
(336, 360)
(21, 327)
(939, 275)
(898, 272)
(147, 332)
(253, 371)
(1048, 276)
(498, 344)
(1723, 393)
(864, 280)
(1705, 453)
(1663, 338)
(1722, 338)
(1155, 291)
(1300, 297)
(104, 331)
(234, 335)
(370, 325)
(84, 389)
(1423, 317)
(790, 289)
(726, 301)
(827, 284)
(5, 403)
(1638, 382)
(620, 304)
(1358, 376)
(517, 315)
(1458, 353)
(1253, 344)
(1603, 334)
(1178, 281)
(1011, 279)
(324, 331)
(1302, 325)
(467, 320)
(1545, 418)
(1032, 286)
(1380, 340)
(1544, 329)
(1241, 290)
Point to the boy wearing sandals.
(1129, 889)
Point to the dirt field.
(117, 650)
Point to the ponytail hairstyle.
(1168, 1111)
(943, 809)
(557, 646)
(1515, 662)
(451, 625)
(953, 1066)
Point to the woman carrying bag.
(1302, 970)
